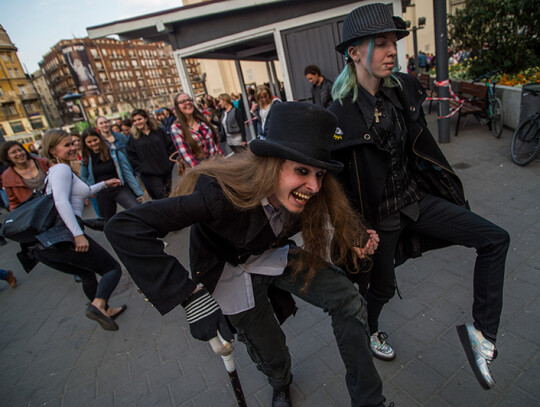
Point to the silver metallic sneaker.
(480, 352)
(380, 348)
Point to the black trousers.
(330, 290)
(158, 186)
(108, 198)
(445, 220)
(86, 265)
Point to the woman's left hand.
(371, 245)
(113, 182)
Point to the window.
(22, 90)
(4, 57)
(9, 109)
(37, 123)
(30, 107)
(17, 126)
(2, 132)
(11, 75)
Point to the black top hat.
(301, 132)
(368, 20)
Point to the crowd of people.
(342, 171)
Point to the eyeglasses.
(183, 102)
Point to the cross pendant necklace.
(377, 114)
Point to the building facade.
(21, 115)
(47, 100)
(112, 77)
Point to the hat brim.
(271, 149)
(341, 48)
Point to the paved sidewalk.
(51, 354)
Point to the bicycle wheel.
(526, 141)
(497, 118)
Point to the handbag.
(34, 215)
(177, 158)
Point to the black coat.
(219, 233)
(367, 165)
(149, 154)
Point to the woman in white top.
(265, 101)
(81, 256)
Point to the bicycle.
(525, 145)
(494, 113)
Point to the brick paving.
(51, 354)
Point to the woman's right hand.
(81, 244)
(113, 182)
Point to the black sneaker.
(281, 397)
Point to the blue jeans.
(3, 274)
(330, 290)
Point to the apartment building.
(112, 77)
(21, 115)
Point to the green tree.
(504, 33)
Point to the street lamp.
(421, 23)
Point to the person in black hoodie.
(148, 150)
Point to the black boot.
(281, 397)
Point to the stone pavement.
(50, 354)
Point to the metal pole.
(441, 51)
(415, 45)
(244, 96)
(270, 78)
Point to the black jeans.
(444, 220)
(86, 265)
(330, 290)
(108, 198)
(158, 186)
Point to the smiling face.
(140, 122)
(184, 103)
(383, 58)
(65, 151)
(103, 124)
(17, 155)
(93, 143)
(297, 184)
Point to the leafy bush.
(504, 33)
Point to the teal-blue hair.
(346, 81)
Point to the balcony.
(29, 96)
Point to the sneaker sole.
(467, 347)
(383, 358)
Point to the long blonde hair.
(51, 139)
(246, 179)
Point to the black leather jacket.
(367, 165)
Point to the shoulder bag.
(34, 215)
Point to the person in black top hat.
(243, 212)
(400, 181)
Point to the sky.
(34, 26)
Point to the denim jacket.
(123, 169)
